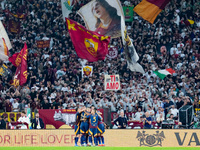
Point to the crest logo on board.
(150, 140)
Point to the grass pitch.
(99, 148)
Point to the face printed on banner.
(98, 10)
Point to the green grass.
(99, 148)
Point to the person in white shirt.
(180, 44)
(174, 111)
(65, 104)
(65, 88)
(159, 117)
(146, 104)
(173, 49)
(151, 112)
(24, 119)
(15, 105)
(138, 114)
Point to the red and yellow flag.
(149, 9)
(20, 61)
(89, 45)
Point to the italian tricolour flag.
(163, 73)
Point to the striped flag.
(163, 73)
(149, 9)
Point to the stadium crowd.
(54, 74)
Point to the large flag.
(21, 62)
(3, 50)
(130, 52)
(163, 73)
(89, 45)
(3, 34)
(149, 9)
(67, 6)
(103, 17)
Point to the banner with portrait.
(103, 17)
(87, 71)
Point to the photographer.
(147, 121)
(121, 121)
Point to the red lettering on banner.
(59, 141)
(7, 139)
(54, 139)
(107, 86)
(16, 141)
(112, 86)
(65, 138)
(72, 139)
(112, 78)
(25, 139)
(42, 140)
(1, 139)
(33, 139)
(117, 85)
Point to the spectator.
(37, 123)
(121, 121)
(15, 106)
(174, 112)
(2, 123)
(8, 106)
(147, 121)
(159, 118)
(24, 119)
(138, 114)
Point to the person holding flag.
(19, 60)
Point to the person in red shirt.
(8, 106)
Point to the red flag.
(88, 44)
(21, 73)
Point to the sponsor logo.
(150, 140)
(193, 138)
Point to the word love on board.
(112, 82)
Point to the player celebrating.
(94, 118)
(100, 131)
(84, 126)
(77, 125)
